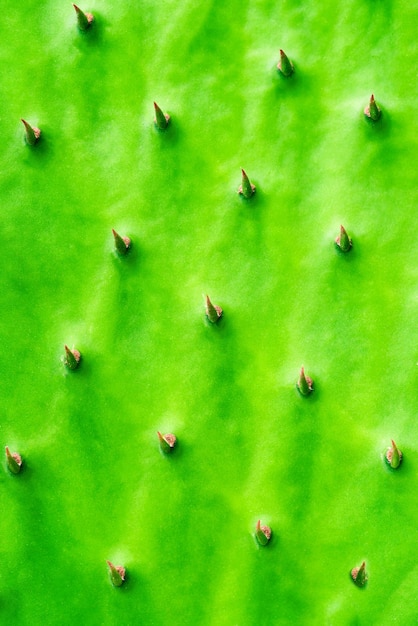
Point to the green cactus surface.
(95, 487)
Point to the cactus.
(94, 485)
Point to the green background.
(94, 484)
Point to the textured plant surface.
(94, 485)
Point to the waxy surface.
(95, 486)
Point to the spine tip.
(167, 442)
(343, 241)
(117, 574)
(32, 133)
(285, 66)
(246, 189)
(14, 461)
(393, 456)
(72, 358)
(84, 20)
(122, 244)
(213, 311)
(304, 383)
(359, 576)
(262, 533)
(161, 119)
(372, 110)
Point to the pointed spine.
(122, 244)
(285, 66)
(372, 111)
(32, 134)
(343, 241)
(213, 312)
(246, 189)
(262, 533)
(167, 442)
(161, 120)
(84, 20)
(14, 461)
(359, 576)
(72, 358)
(304, 384)
(117, 574)
(394, 456)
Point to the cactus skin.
(393, 456)
(359, 576)
(84, 20)
(32, 134)
(343, 241)
(372, 111)
(285, 66)
(117, 574)
(14, 461)
(213, 312)
(161, 120)
(122, 244)
(246, 189)
(262, 533)
(304, 384)
(252, 445)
